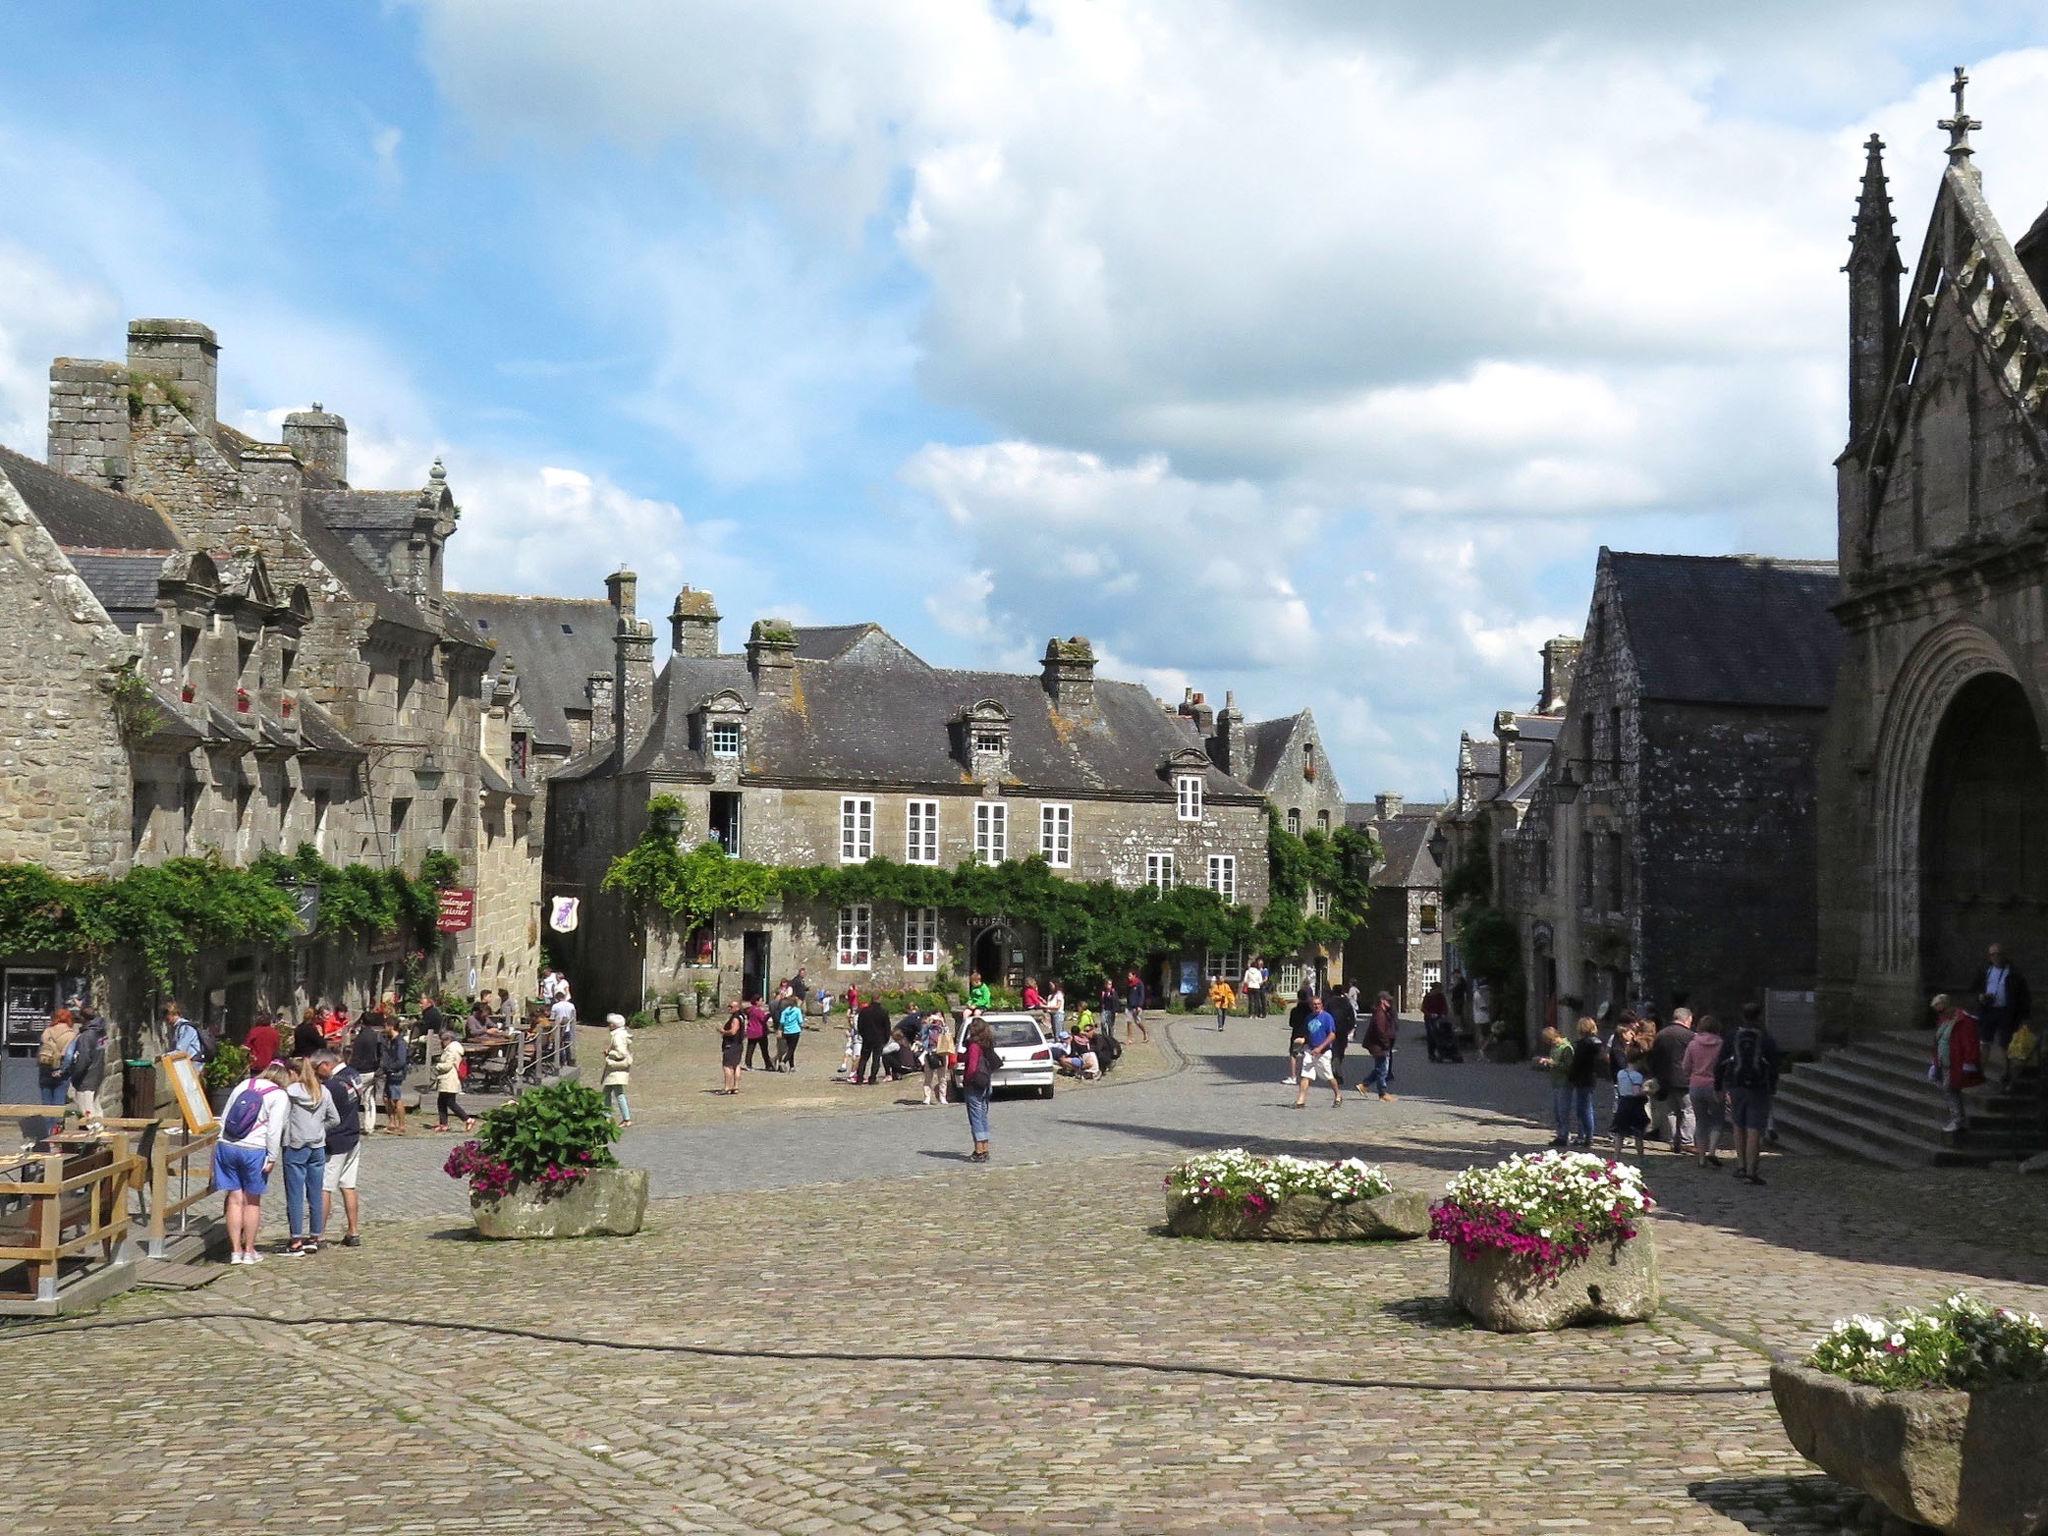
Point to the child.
(1631, 1101)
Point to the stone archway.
(1983, 842)
(1934, 677)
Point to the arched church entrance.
(1983, 833)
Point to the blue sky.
(1300, 348)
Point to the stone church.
(1933, 844)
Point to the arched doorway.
(1983, 835)
(990, 954)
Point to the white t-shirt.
(564, 1012)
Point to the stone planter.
(1615, 1283)
(1302, 1219)
(1973, 1463)
(605, 1201)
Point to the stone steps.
(1872, 1100)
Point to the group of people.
(1320, 1030)
(2003, 1022)
(71, 1059)
(1684, 1084)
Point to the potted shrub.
(542, 1166)
(1238, 1197)
(227, 1066)
(1941, 1416)
(1549, 1239)
(707, 997)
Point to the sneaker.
(252, 1258)
(1951, 1127)
(352, 1241)
(1387, 1097)
(237, 1258)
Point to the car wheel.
(1045, 1092)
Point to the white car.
(1022, 1049)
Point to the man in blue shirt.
(1315, 1055)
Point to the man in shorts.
(1748, 1073)
(1316, 1060)
(344, 1143)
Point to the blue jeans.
(1381, 1077)
(53, 1093)
(1582, 1113)
(1561, 1110)
(615, 1101)
(977, 1115)
(305, 1170)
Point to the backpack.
(50, 1055)
(245, 1111)
(983, 1079)
(1747, 1067)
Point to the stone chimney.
(771, 657)
(632, 665)
(693, 624)
(623, 588)
(186, 356)
(89, 421)
(273, 479)
(1196, 707)
(1386, 805)
(1068, 675)
(1509, 735)
(1560, 666)
(1226, 747)
(320, 439)
(598, 689)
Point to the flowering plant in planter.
(545, 1140)
(1546, 1208)
(1962, 1345)
(242, 701)
(1236, 1177)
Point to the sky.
(1302, 348)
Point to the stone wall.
(1392, 950)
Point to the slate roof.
(378, 511)
(364, 584)
(554, 644)
(1268, 742)
(320, 734)
(1535, 758)
(81, 516)
(125, 584)
(1730, 629)
(881, 715)
(1404, 844)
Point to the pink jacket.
(1700, 1056)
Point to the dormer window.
(725, 738)
(989, 743)
(984, 730)
(1187, 795)
(719, 725)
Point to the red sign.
(458, 910)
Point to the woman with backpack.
(53, 1059)
(251, 1142)
(309, 1115)
(977, 1081)
(935, 1047)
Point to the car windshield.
(1014, 1032)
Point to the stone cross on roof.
(1960, 125)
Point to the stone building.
(1669, 843)
(1932, 842)
(1400, 947)
(825, 745)
(252, 654)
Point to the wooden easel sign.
(184, 1074)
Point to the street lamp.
(1564, 786)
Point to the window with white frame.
(856, 829)
(991, 832)
(1322, 901)
(1226, 963)
(1432, 974)
(1187, 790)
(989, 741)
(1223, 875)
(725, 738)
(1159, 871)
(1294, 822)
(921, 832)
(1286, 979)
(1056, 835)
(920, 938)
(856, 937)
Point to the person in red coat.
(1958, 1058)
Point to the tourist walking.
(89, 1063)
(2007, 1003)
(394, 1066)
(935, 1047)
(1343, 1011)
(1631, 1103)
(977, 1082)
(1220, 999)
(732, 1043)
(791, 1023)
(448, 1075)
(1439, 1041)
(54, 1052)
(1709, 1104)
(309, 1115)
(618, 1068)
(757, 1037)
(1316, 1059)
(351, 1096)
(563, 1016)
(1380, 1036)
(1671, 1110)
(1134, 1001)
(251, 1142)
(1555, 1057)
(873, 1026)
(1297, 1038)
(1254, 985)
(1589, 1063)
(1958, 1060)
(1748, 1074)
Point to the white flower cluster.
(1963, 1343)
(1235, 1174)
(1555, 1188)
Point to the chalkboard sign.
(183, 1072)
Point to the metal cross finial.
(1960, 125)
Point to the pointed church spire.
(1958, 127)
(1874, 269)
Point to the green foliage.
(564, 1125)
(1491, 946)
(641, 1020)
(228, 1065)
(136, 714)
(1470, 881)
